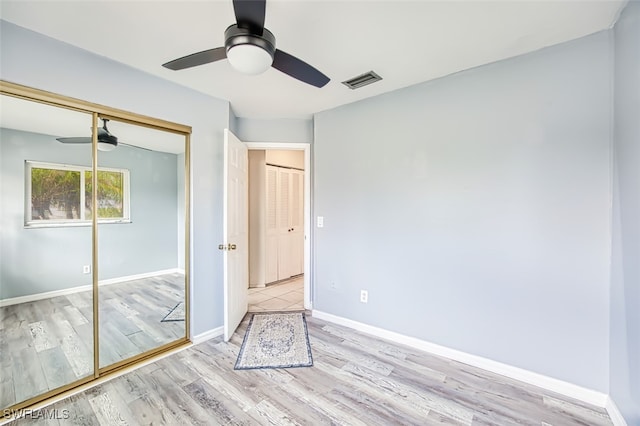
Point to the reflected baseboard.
(78, 289)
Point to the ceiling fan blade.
(298, 69)
(196, 59)
(250, 14)
(81, 139)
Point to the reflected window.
(62, 194)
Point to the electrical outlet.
(86, 269)
(364, 296)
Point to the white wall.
(475, 211)
(34, 60)
(625, 276)
(257, 217)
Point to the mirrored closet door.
(46, 297)
(94, 237)
(141, 222)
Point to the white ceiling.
(405, 42)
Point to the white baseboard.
(72, 290)
(140, 276)
(568, 389)
(614, 413)
(203, 337)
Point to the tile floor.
(285, 296)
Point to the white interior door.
(236, 233)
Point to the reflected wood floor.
(48, 343)
(356, 380)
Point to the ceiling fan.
(106, 140)
(251, 48)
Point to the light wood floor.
(48, 343)
(356, 380)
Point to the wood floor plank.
(180, 373)
(174, 398)
(28, 370)
(42, 338)
(149, 409)
(576, 412)
(56, 368)
(131, 387)
(74, 316)
(221, 411)
(109, 412)
(372, 410)
(7, 392)
(80, 412)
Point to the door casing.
(306, 147)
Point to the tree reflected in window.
(62, 194)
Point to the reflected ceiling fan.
(251, 48)
(106, 140)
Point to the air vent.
(362, 80)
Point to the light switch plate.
(320, 221)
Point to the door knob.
(227, 247)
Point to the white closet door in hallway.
(285, 234)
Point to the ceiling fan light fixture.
(106, 141)
(249, 59)
(248, 52)
(106, 146)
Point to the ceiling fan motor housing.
(244, 40)
(234, 36)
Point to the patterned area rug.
(275, 341)
(175, 314)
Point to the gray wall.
(38, 260)
(625, 277)
(280, 130)
(34, 60)
(475, 211)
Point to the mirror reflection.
(48, 314)
(46, 298)
(141, 256)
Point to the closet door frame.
(100, 111)
(308, 206)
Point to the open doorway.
(278, 227)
